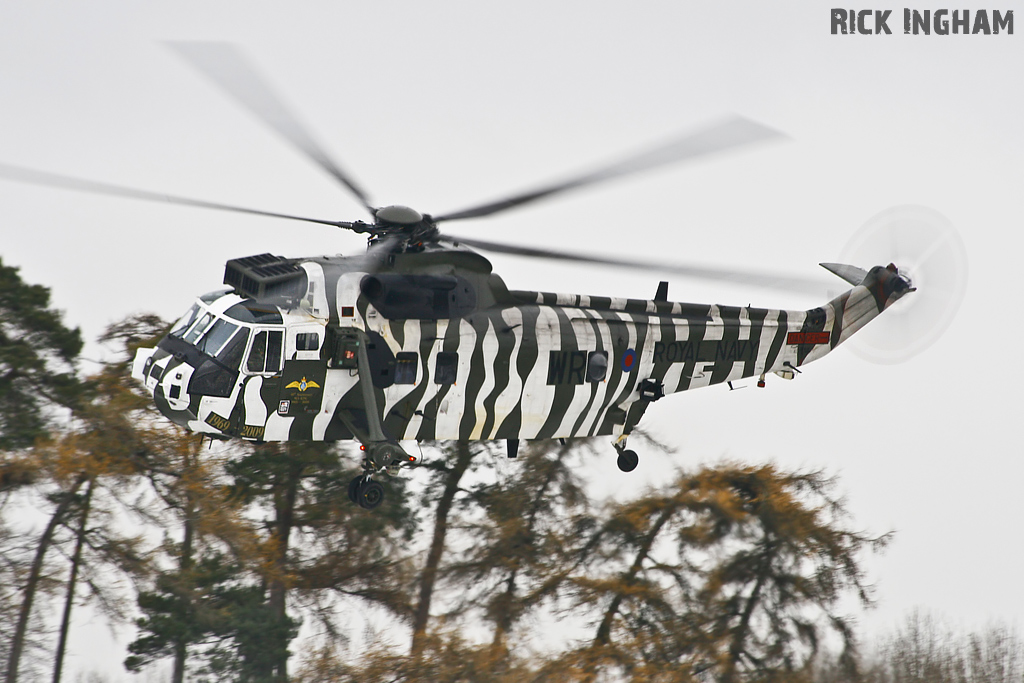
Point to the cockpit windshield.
(212, 335)
(185, 321)
(199, 328)
(222, 340)
(216, 336)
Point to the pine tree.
(37, 362)
(449, 473)
(37, 382)
(733, 573)
(316, 540)
(521, 556)
(99, 448)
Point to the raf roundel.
(628, 359)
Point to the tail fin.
(851, 274)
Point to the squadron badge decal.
(303, 384)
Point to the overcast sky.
(442, 105)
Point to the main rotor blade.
(224, 65)
(33, 177)
(748, 277)
(734, 132)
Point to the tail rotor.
(928, 251)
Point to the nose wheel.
(365, 492)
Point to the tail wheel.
(371, 494)
(628, 460)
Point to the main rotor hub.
(396, 214)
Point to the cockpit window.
(210, 297)
(258, 353)
(231, 353)
(185, 321)
(265, 354)
(200, 327)
(250, 311)
(214, 339)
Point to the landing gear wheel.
(628, 460)
(353, 489)
(371, 494)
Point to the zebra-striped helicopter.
(417, 339)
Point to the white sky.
(446, 104)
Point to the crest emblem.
(303, 384)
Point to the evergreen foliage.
(37, 364)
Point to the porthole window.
(597, 366)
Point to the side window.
(307, 341)
(265, 354)
(258, 353)
(275, 341)
(445, 369)
(405, 368)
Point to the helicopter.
(418, 339)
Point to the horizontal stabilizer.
(851, 274)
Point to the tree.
(37, 362)
(924, 649)
(213, 613)
(524, 540)
(771, 599)
(315, 540)
(205, 600)
(448, 481)
(100, 444)
(69, 599)
(733, 573)
(37, 379)
(186, 606)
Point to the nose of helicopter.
(166, 380)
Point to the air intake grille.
(266, 276)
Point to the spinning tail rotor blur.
(927, 249)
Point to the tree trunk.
(503, 622)
(604, 631)
(284, 521)
(69, 599)
(451, 486)
(32, 583)
(185, 559)
(739, 636)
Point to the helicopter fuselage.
(431, 345)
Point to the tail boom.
(842, 317)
